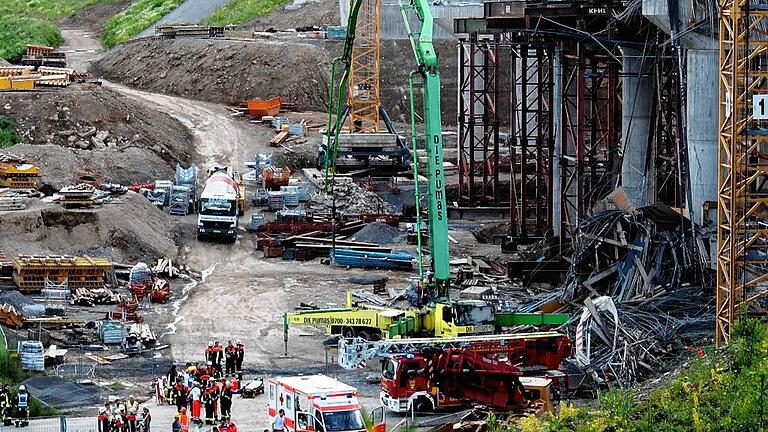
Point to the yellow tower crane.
(742, 222)
(364, 96)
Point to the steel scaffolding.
(533, 143)
(742, 230)
(478, 123)
(591, 126)
(666, 131)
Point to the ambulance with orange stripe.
(318, 403)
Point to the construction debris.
(81, 195)
(636, 289)
(94, 296)
(350, 199)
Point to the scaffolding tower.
(742, 228)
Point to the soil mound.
(221, 71)
(231, 71)
(128, 230)
(93, 18)
(97, 131)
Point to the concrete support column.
(637, 91)
(702, 127)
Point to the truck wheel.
(348, 332)
(365, 334)
(422, 405)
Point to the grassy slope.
(725, 390)
(242, 11)
(30, 21)
(132, 21)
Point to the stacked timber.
(92, 297)
(77, 196)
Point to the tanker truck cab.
(217, 216)
(318, 403)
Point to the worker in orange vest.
(184, 420)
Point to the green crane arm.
(427, 68)
(437, 211)
(336, 106)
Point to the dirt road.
(191, 11)
(242, 295)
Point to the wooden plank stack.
(92, 297)
(77, 196)
(10, 317)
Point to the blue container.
(336, 32)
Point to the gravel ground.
(191, 11)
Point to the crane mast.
(364, 99)
(438, 283)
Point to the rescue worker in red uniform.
(102, 421)
(239, 355)
(179, 394)
(229, 358)
(195, 397)
(210, 401)
(209, 352)
(227, 426)
(217, 356)
(130, 420)
(226, 400)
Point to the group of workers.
(124, 416)
(231, 356)
(203, 392)
(14, 410)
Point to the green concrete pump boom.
(427, 70)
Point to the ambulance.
(318, 403)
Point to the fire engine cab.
(318, 403)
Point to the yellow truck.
(450, 319)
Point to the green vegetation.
(48, 10)
(242, 11)
(727, 390)
(8, 137)
(12, 375)
(30, 22)
(16, 32)
(132, 21)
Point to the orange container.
(264, 107)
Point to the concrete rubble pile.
(350, 199)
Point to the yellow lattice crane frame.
(742, 223)
(364, 97)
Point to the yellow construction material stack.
(16, 78)
(16, 173)
(15, 71)
(30, 272)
